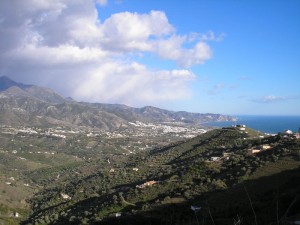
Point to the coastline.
(264, 123)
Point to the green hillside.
(213, 171)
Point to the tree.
(297, 153)
(115, 199)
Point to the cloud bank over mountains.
(63, 44)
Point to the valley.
(69, 176)
(31, 157)
(69, 162)
(117, 112)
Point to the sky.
(209, 56)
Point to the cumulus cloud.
(172, 48)
(126, 31)
(133, 84)
(46, 41)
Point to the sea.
(266, 124)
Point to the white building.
(288, 132)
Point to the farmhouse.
(215, 158)
(65, 196)
(265, 147)
(253, 151)
(147, 184)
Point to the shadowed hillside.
(213, 171)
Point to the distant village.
(141, 129)
(287, 134)
(142, 136)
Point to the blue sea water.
(266, 124)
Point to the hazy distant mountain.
(154, 114)
(6, 83)
(18, 90)
(30, 105)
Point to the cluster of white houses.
(286, 134)
(261, 148)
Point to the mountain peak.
(6, 83)
(20, 89)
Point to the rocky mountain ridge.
(24, 105)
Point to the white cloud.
(270, 99)
(65, 39)
(132, 31)
(209, 36)
(102, 2)
(172, 48)
(63, 54)
(133, 84)
(56, 22)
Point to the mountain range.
(30, 105)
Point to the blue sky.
(230, 57)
